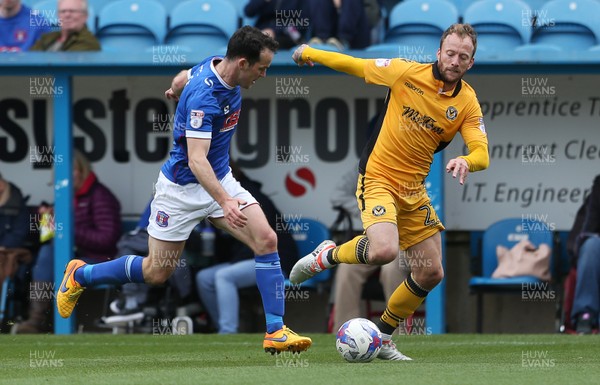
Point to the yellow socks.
(402, 304)
(353, 252)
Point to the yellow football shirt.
(418, 120)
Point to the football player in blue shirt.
(196, 183)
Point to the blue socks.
(269, 280)
(126, 269)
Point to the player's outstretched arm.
(334, 60)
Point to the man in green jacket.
(73, 34)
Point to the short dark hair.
(462, 30)
(248, 42)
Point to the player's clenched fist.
(297, 56)
(171, 95)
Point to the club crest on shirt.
(378, 211)
(20, 35)
(451, 113)
(382, 62)
(162, 219)
(196, 118)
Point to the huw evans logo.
(537, 359)
(290, 154)
(291, 223)
(44, 359)
(537, 292)
(415, 53)
(290, 87)
(286, 19)
(531, 223)
(538, 154)
(537, 87)
(168, 54)
(44, 86)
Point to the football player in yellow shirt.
(426, 105)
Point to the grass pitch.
(89, 359)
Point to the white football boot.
(312, 264)
(389, 351)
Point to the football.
(358, 340)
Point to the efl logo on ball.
(358, 340)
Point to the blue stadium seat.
(462, 5)
(501, 25)
(308, 234)
(419, 24)
(539, 49)
(202, 24)
(131, 25)
(49, 10)
(382, 48)
(536, 5)
(570, 25)
(410, 52)
(169, 4)
(507, 233)
(98, 4)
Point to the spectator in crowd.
(283, 20)
(586, 236)
(20, 28)
(14, 218)
(97, 228)
(14, 230)
(218, 285)
(73, 34)
(342, 24)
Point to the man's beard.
(444, 77)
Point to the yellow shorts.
(411, 211)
